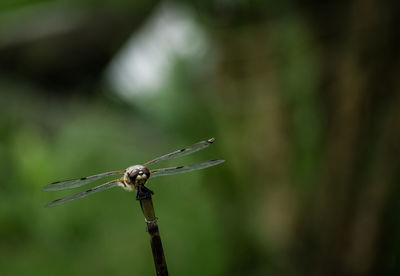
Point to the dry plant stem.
(155, 239)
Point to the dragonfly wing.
(99, 188)
(183, 169)
(77, 182)
(188, 150)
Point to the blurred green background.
(301, 96)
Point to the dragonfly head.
(137, 175)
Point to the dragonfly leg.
(143, 193)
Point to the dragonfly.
(134, 177)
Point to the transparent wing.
(188, 150)
(85, 193)
(77, 182)
(183, 169)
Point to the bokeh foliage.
(302, 97)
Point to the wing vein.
(184, 169)
(77, 182)
(99, 188)
(188, 150)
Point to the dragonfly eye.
(132, 176)
(141, 173)
(146, 172)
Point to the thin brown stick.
(155, 239)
